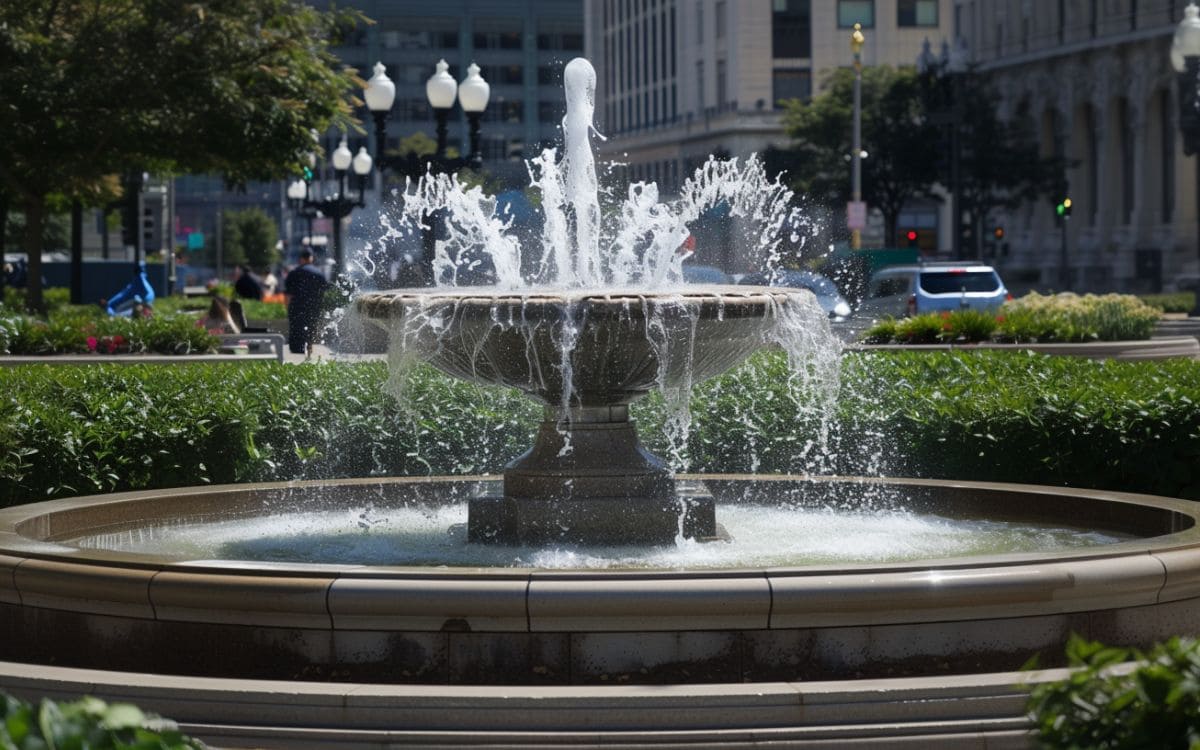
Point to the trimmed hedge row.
(999, 416)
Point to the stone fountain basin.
(466, 626)
(616, 348)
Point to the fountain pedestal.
(587, 479)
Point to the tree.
(250, 237)
(1001, 165)
(901, 146)
(97, 88)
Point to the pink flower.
(91, 342)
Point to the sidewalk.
(322, 353)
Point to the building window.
(790, 84)
(917, 13)
(549, 112)
(549, 75)
(700, 22)
(851, 12)
(791, 28)
(700, 85)
(498, 40)
(719, 19)
(1168, 156)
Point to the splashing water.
(633, 249)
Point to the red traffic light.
(999, 233)
(912, 235)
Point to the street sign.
(856, 215)
(195, 241)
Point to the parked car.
(932, 287)
(697, 274)
(826, 292)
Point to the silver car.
(932, 287)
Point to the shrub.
(86, 723)
(969, 326)
(1176, 302)
(1034, 318)
(926, 328)
(882, 332)
(1154, 705)
(1071, 317)
(77, 332)
(997, 416)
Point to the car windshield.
(953, 282)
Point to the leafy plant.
(1104, 706)
(969, 326)
(1175, 302)
(87, 723)
(882, 332)
(997, 416)
(926, 328)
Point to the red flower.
(91, 343)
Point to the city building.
(679, 80)
(1097, 80)
(521, 47)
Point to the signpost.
(856, 215)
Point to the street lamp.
(441, 91)
(340, 204)
(1185, 58)
(856, 44)
(944, 72)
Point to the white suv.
(932, 287)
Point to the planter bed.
(1150, 349)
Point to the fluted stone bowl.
(618, 344)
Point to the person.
(270, 284)
(137, 293)
(218, 320)
(247, 284)
(304, 287)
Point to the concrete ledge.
(969, 711)
(1150, 349)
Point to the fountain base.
(588, 480)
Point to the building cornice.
(1076, 48)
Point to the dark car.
(826, 292)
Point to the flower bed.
(89, 333)
(1058, 318)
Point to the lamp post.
(441, 91)
(1185, 58)
(340, 204)
(297, 190)
(856, 44)
(943, 75)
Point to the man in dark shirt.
(247, 285)
(304, 287)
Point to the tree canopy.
(901, 147)
(906, 127)
(92, 89)
(250, 237)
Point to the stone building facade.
(1096, 79)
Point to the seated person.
(246, 284)
(218, 319)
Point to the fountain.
(589, 591)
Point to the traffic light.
(998, 233)
(1063, 209)
(307, 174)
(911, 236)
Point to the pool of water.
(436, 536)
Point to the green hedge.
(73, 333)
(1172, 302)
(977, 415)
(86, 724)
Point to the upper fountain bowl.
(604, 348)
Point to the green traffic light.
(1060, 209)
(308, 175)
